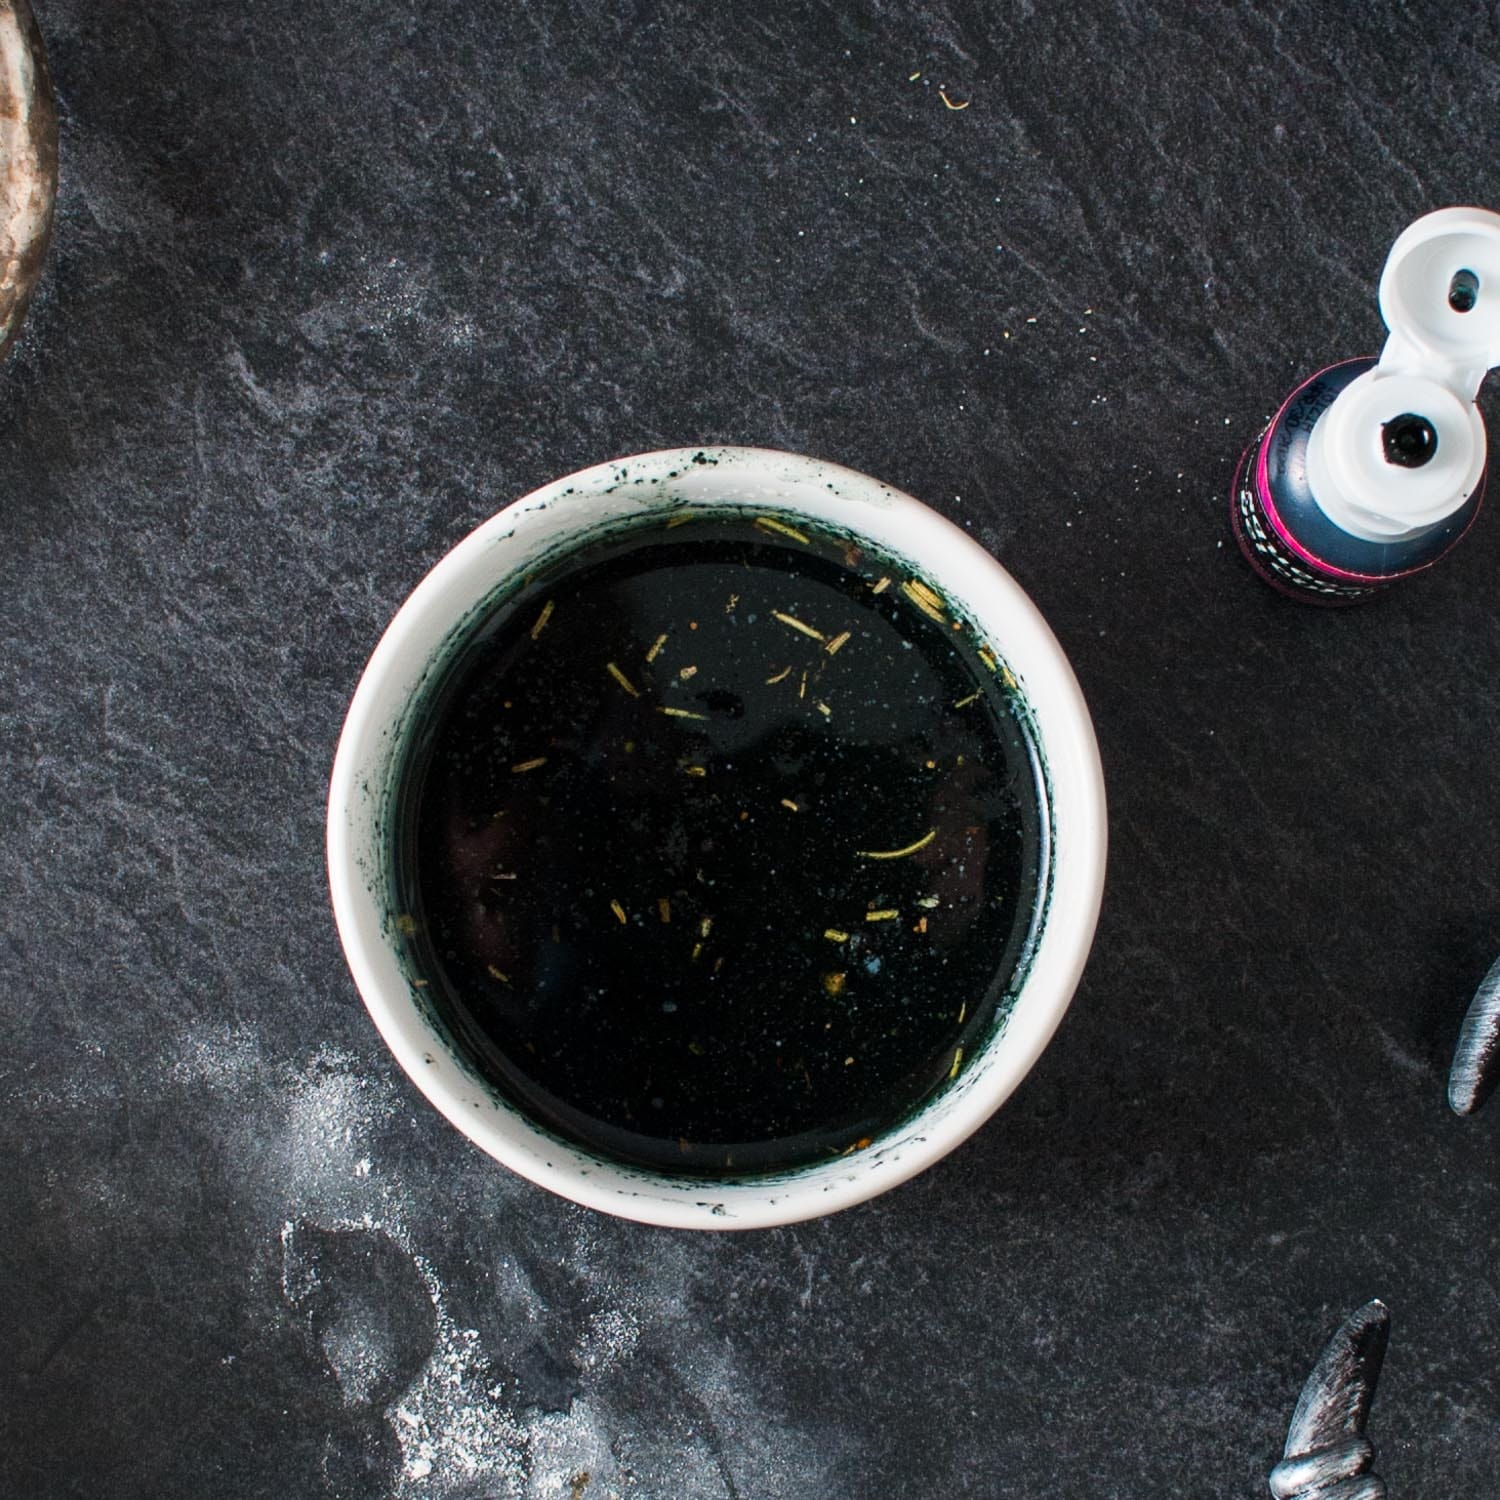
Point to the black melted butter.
(658, 933)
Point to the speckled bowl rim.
(464, 584)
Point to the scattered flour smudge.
(565, 1447)
(309, 1141)
(451, 1422)
(222, 1059)
(609, 1338)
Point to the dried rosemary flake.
(988, 658)
(802, 689)
(687, 672)
(790, 806)
(697, 949)
(619, 912)
(835, 936)
(923, 598)
(930, 902)
(781, 676)
(621, 678)
(965, 702)
(496, 974)
(718, 963)
(541, 620)
(664, 908)
(921, 843)
(881, 586)
(838, 642)
(887, 914)
(824, 709)
(681, 713)
(705, 927)
(833, 984)
(681, 520)
(794, 623)
(528, 765)
(656, 646)
(733, 600)
(767, 523)
(406, 924)
(696, 1048)
(696, 770)
(963, 1010)
(1008, 678)
(958, 1057)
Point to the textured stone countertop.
(332, 280)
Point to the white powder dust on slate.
(452, 1423)
(608, 1337)
(566, 1445)
(309, 1145)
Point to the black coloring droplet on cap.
(1408, 441)
(1463, 291)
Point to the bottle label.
(1270, 556)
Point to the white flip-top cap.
(1403, 446)
(1440, 298)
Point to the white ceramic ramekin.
(459, 590)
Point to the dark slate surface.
(334, 279)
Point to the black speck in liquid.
(639, 835)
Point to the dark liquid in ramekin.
(720, 844)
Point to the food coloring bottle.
(1373, 469)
